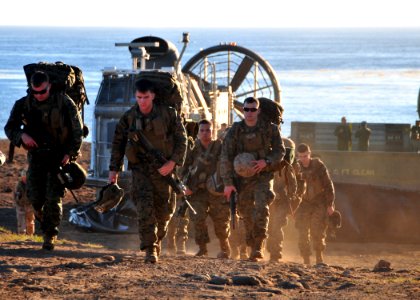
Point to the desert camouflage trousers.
(178, 226)
(155, 206)
(254, 199)
(311, 221)
(45, 192)
(217, 208)
(279, 210)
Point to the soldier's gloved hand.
(330, 210)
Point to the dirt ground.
(109, 266)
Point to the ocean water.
(364, 74)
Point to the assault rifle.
(157, 160)
(232, 203)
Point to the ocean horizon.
(364, 74)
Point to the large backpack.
(168, 90)
(66, 78)
(271, 111)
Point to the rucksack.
(168, 90)
(271, 111)
(63, 78)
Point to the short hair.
(145, 85)
(204, 121)
(302, 148)
(252, 100)
(38, 78)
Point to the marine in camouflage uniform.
(287, 199)
(24, 211)
(363, 134)
(48, 124)
(177, 234)
(163, 128)
(256, 193)
(201, 163)
(317, 204)
(343, 134)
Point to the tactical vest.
(205, 164)
(255, 140)
(312, 177)
(46, 121)
(155, 127)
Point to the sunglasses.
(41, 92)
(252, 109)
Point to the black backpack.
(271, 111)
(63, 78)
(168, 91)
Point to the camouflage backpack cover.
(168, 90)
(243, 166)
(66, 78)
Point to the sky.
(211, 13)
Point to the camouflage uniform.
(256, 192)
(56, 126)
(343, 134)
(24, 210)
(201, 163)
(285, 187)
(363, 134)
(311, 217)
(150, 191)
(177, 234)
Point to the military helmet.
(334, 220)
(109, 197)
(72, 176)
(243, 164)
(214, 185)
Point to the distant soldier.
(221, 133)
(415, 136)
(343, 134)
(363, 134)
(48, 124)
(201, 163)
(24, 210)
(286, 189)
(317, 204)
(150, 191)
(252, 179)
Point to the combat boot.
(49, 242)
(234, 253)
(224, 249)
(151, 255)
(170, 246)
(256, 253)
(319, 257)
(202, 251)
(275, 257)
(159, 248)
(243, 252)
(307, 260)
(180, 248)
